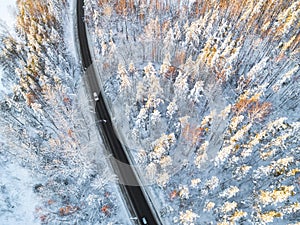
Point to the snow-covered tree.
(188, 217)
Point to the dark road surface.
(125, 173)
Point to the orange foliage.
(255, 109)
(192, 133)
(196, 7)
(220, 75)
(64, 211)
(66, 100)
(173, 194)
(131, 5)
(121, 7)
(171, 73)
(224, 4)
(280, 57)
(70, 132)
(102, 2)
(165, 26)
(30, 98)
(259, 110)
(43, 218)
(105, 209)
(50, 202)
(243, 104)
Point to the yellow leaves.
(235, 121)
(35, 23)
(266, 155)
(205, 52)
(9, 43)
(162, 146)
(268, 217)
(244, 169)
(209, 206)
(293, 172)
(288, 18)
(247, 10)
(288, 44)
(277, 195)
(265, 197)
(188, 217)
(237, 215)
(165, 161)
(240, 133)
(265, 27)
(228, 206)
(33, 14)
(256, 97)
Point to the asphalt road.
(127, 178)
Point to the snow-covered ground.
(7, 20)
(17, 198)
(8, 13)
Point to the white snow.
(1, 75)
(8, 12)
(17, 200)
(7, 16)
(70, 30)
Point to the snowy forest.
(205, 97)
(53, 170)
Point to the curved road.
(125, 173)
